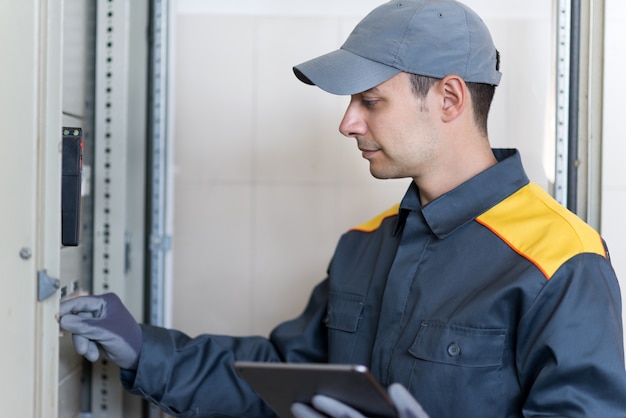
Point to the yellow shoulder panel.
(375, 222)
(536, 226)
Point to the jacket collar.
(464, 203)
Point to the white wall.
(265, 184)
(614, 170)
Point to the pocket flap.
(452, 344)
(344, 311)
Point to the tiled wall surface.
(265, 184)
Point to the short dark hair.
(482, 96)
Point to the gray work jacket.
(490, 301)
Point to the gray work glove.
(102, 322)
(405, 404)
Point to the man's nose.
(352, 124)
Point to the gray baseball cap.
(434, 38)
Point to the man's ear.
(455, 97)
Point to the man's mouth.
(368, 152)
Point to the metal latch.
(46, 285)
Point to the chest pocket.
(451, 344)
(344, 312)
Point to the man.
(479, 293)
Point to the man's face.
(393, 128)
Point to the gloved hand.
(102, 322)
(405, 404)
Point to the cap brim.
(344, 73)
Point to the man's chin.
(383, 176)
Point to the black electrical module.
(72, 166)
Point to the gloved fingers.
(93, 352)
(81, 323)
(334, 408)
(81, 344)
(300, 410)
(89, 304)
(89, 338)
(405, 403)
(86, 348)
(75, 323)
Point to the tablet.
(282, 384)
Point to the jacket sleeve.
(570, 354)
(191, 377)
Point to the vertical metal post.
(110, 180)
(158, 153)
(580, 54)
(574, 96)
(562, 101)
(591, 112)
(158, 163)
(568, 102)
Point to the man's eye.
(368, 103)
